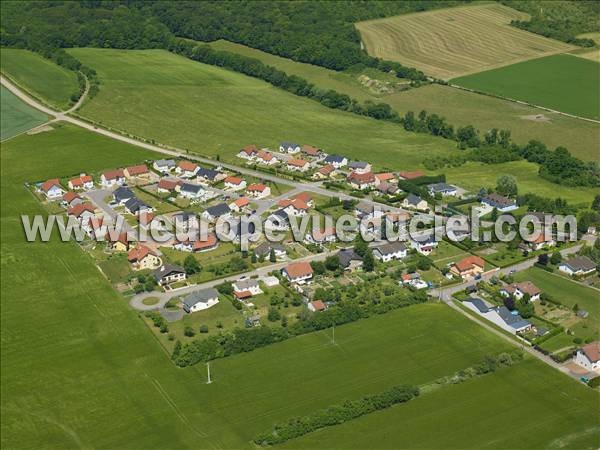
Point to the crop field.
(564, 83)
(473, 175)
(451, 42)
(16, 116)
(213, 111)
(458, 106)
(42, 77)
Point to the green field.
(42, 77)
(212, 111)
(16, 116)
(460, 107)
(473, 176)
(565, 83)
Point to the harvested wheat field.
(447, 43)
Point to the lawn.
(17, 117)
(488, 412)
(40, 76)
(460, 107)
(213, 111)
(445, 43)
(446, 252)
(565, 83)
(472, 176)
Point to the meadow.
(474, 175)
(212, 111)
(565, 83)
(460, 107)
(80, 369)
(17, 117)
(42, 78)
(450, 42)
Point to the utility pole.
(208, 370)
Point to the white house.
(169, 273)
(389, 251)
(83, 212)
(248, 152)
(424, 244)
(192, 191)
(265, 248)
(500, 316)
(83, 181)
(298, 272)
(324, 236)
(359, 166)
(235, 183)
(267, 158)
(297, 165)
(247, 285)
(258, 190)
(289, 147)
(443, 189)
(518, 290)
(336, 161)
(112, 178)
(212, 213)
(414, 280)
(187, 169)
(579, 265)
(415, 202)
(588, 357)
(200, 300)
(52, 189)
(164, 165)
(317, 306)
(501, 203)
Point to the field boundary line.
(521, 102)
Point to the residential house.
(169, 273)
(359, 166)
(208, 176)
(122, 194)
(248, 152)
(321, 237)
(578, 266)
(52, 189)
(185, 220)
(384, 177)
(413, 201)
(305, 197)
(317, 306)
(279, 220)
(500, 202)
(468, 267)
(142, 257)
(267, 158)
(361, 180)
(147, 222)
(139, 171)
(298, 272)
(187, 169)
(83, 212)
(111, 178)
(234, 183)
(324, 172)
(297, 165)
(424, 244)
(258, 190)
(518, 290)
(588, 357)
(200, 300)
(192, 191)
(414, 280)
(389, 251)
(263, 250)
(96, 227)
(202, 244)
(239, 205)
(411, 175)
(311, 151)
(442, 188)
(167, 185)
(289, 147)
(164, 165)
(212, 213)
(349, 259)
(247, 287)
(542, 241)
(336, 161)
(501, 316)
(366, 210)
(83, 181)
(71, 199)
(120, 243)
(135, 206)
(386, 188)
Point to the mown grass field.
(17, 117)
(450, 42)
(460, 107)
(213, 111)
(474, 175)
(564, 83)
(42, 77)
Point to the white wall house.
(52, 189)
(200, 300)
(588, 357)
(390, 251)
(289, 147)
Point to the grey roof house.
(199, 300)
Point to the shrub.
(204, 328)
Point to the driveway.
(97, 197)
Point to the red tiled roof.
(322, 234)
(79, 209)
(145, 218)
(123, 238)
(241, 202)
(112, 174)
(243, 295)
(48, 184)
(361, 178)
(258, 187)
(296, 203)
(310, 150)
(298, 269)
(137, 170)
(234, 180)
(386, 176)
(97, 222)
(76, 182)
(209, 242)
(86, 178)
(265, 156)
(326, 170)
(412, 175)
(592, 351)
(318, 305)
(70, 196)
(188, 166)
(468, 262)
(138, 253)
(303, 196)
(167, 184)
(297, 162)
(249, 149)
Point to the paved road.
(97, 197)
